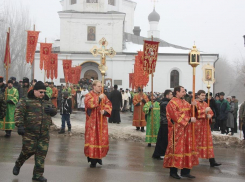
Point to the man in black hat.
(223, 109)
(33, 119)
(25, 87)
(116, 99)
(16, 84)
(2, 85)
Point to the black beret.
(10, 81)
(39, 86)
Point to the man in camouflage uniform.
(33, 119)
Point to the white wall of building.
(73, 31)
(120, 66)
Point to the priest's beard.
(9, 87)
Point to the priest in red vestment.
(54, 94)
(139, 101)
(203, 134)
(179, 153)
(97, 105)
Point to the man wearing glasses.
(33, 119)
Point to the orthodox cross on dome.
(103, 52)
(154, 1)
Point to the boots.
(16, 170)
(69, 129)
(142, 129)
(62, 130)
(41, 178)
(213, 163)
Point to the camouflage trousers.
(33, 144)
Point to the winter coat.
(223, 108)
(242, 113)
(230, 117)
(213, 106)
(163, 105)
(66, 106)
(235, 108)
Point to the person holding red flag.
(97, 107)
(203, 134)
(180, 153)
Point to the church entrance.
(91, 74)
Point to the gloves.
(50, 111)
(21, 130)
(10, 102)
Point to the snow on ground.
(125, 130)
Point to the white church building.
(83, 23)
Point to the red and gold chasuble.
(203, 132)
(179, 152)
(139, 115)
(96, 145)
(54, 94)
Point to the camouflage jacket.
(3, 106)
(30, 113)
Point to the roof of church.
(154, 16)
(140, 40)
(86, 12)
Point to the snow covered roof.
(133, 48)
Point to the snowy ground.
(125, 130)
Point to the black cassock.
(116, 99)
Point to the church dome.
(154, 16)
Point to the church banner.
(7, 59)
(72, 75)
(141, 78)
(52, 72)
(66, 69)
(131, 80)
(45, 55)
(32, 38)
(150, 56)
(78, 73)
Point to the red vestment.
(203, 132)
(96, 145)
(54, 94)
(179, 152)
(139, 115)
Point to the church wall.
(129, 8)
(120, 66)
(73, 32)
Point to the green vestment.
(8, 122)
(49, 92)
(152, 128)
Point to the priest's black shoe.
(188, 176)
(41, 178)
(213, 163)
(16, 170)
(157, 158)
(92, 165)
(99, 161)
(176, 176)
(149, 145)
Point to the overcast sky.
(217, 26)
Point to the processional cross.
(103, 51)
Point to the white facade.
(112, 22)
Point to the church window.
(73, 2)
(91, 33)
(174, 79)
(92, 1)
(111, 2)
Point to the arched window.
(174, 79)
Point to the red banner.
(66, 69)
(78, 73)
(32, 38)
(7, 59)
(141, 78)
(52, 72)
(72, 75)
(131, 80)
(150, 56)
(45, 55)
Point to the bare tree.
(230, 78)
(18, 19)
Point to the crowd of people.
(166, 118)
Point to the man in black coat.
(214, 108)
(162, 137)
(116, 99)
